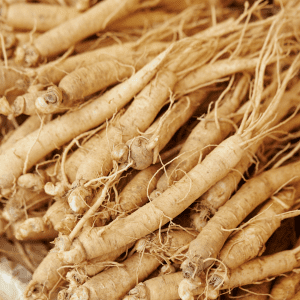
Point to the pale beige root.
(5, 108)
(33, 181)
(3, 224)
(35, 232)
(38, 16)
(25, 104)
(255, 291)
(54, 71)
(11, 79)
(206, 246)
(63, 36)
(212, 72)
(117, 281)
(142, 19)
(161, 287)
(138, 117)
(22, 200)
(51, 220)
(152, 250)
(9, 41)
(217, 195)
(135, 194)
(169, 123)
(285, 287)
(261, 268)
(250, 241)
(162, 209)
(206, 133)
(80, 274)
(58, 132)
(88, 80)
(28, 126)
(46, 277)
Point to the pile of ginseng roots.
(150, 148)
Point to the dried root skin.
(45, 277)
(135, 193)
(250, 241)
(136, 268)
(285, 287)
(41, 17)
(261, 268)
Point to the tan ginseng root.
(135, 193)
(138, 117)
(9, 41)
(92, 78)
(29, 150)
(151, 252)
(37, 16)
(250, 241)
(204, 250)
(169, 204)
(217, 195)
(22, 200)
(166, 287)
(12, 79)
(260, 268)
(67, 34)
(285, 287)
(144, 149)
(28, 126)
(54, 71)
(52, 269)
(208, 132)
(51, 220)
(142, 19)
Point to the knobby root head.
(55, 190)
(18, 106)
(27, 54)
(139, 154)
(51, 101)
(82, 293)
(120, 153)
(66, 225)
(74, 256)
(35, 291)
(31, 181)
(79, 199)
(192, 268)
(140, 292)
(29, 226)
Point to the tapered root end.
(35, 291)
(82, 293)
(51, 101)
